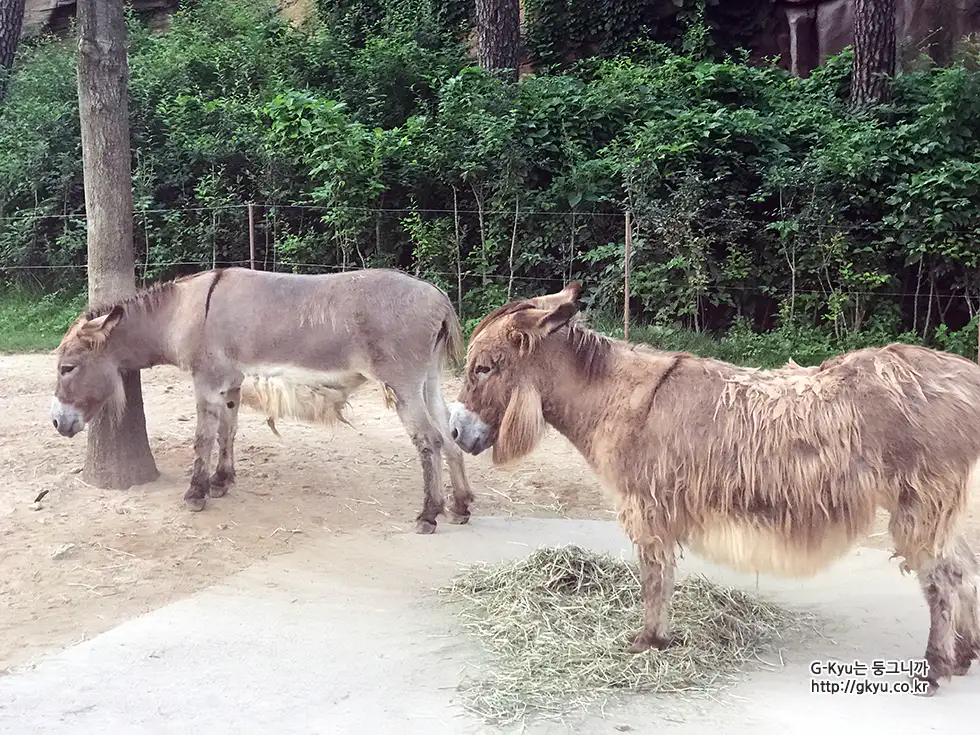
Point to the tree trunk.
(11, 22)
(498, 33)
(875, 52)
(118, 454)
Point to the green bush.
(32, 320)
(760, 202)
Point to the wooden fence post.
(251, 235)
(626, 277)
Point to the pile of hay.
(558, 625)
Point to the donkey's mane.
(592, 350)
(146, 298)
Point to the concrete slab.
(347, 636)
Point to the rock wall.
(55, 15)
(808, 31)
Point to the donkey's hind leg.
(946, 579)
(428, 441)
(941, 580)
(966, 619)
(459, 511)
(224, 473)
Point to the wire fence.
(848, 227)
(267, 242)
(270, 236)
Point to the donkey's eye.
(65, 369)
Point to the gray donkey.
(285, 345)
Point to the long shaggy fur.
(115, 406)
(782, 471)
(777, 471)
(522, 427)
(279, 397)
(764, 470)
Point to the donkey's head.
(89, 380)
(500, 405)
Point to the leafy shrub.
(760, 202)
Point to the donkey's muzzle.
(66, 419)
(468, 430)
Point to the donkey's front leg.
(208, 412)
(224, 473)
(657, 587)
(428, 441)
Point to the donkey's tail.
(451, 336)
(279, 397)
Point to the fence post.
(626, 277)
(251, 235)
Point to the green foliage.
(760, 202)
(558, 31)
(31, 320)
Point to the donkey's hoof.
(964, 660)
(645, 640)
(459, 518)
(925, 687)
(425, 527)
(219, 483)
(195, 504)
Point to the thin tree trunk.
(265, 251)
(498, 35)
(875, 56)
(932, 291)
(915, 302)
(483, 232)
(513, 243)
(571, 250)
(459, 256)
(791, 260)
(11, 24)
(944, 310)
(377, 227)
(118, 454)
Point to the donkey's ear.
(97, 330)
(105, 323)
(554, 300)
(539, 323)
(557, 318)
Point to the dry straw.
(558, 623)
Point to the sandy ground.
(307, 642)
(89, 559)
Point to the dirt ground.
(88, 559)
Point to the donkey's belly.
(747, 547)
(348, 380)
(317, 397)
